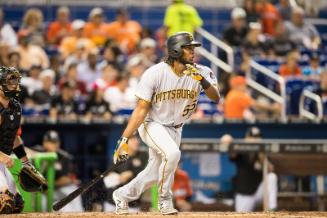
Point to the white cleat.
(121, 204)
(166, 206)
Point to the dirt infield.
(158, 215)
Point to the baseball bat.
(82, 189)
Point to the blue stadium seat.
(215, 20)
(323, 13)
(207, 106)
(294, 88)
(311, 106)
(124, 112)
(265, 81)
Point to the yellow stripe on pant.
(165, 156)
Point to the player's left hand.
(193, 72)
(121, 152)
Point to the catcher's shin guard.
(19, 203)
(7, 202)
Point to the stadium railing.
(216, 43)
(289, 157)
(318, 102)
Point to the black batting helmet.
(176, 42)
(9, 76)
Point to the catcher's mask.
(176, 42)
(9, 76)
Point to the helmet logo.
(190, 37)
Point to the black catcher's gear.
(10, 123)
(9, 76)
(176, 42)
(10, 203)
(19, 203)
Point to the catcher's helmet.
(176, 42)
(9, 76)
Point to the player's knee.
(7, 202)
(174, 156)
(272, 177)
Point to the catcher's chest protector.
(10, 123)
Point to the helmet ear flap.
(177, 53)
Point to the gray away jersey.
(173, 98)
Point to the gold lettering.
(169, 94)
(156, 96)
(159, 96)
(184, 94)
(188, 94)
(179, 93)
(173, 94)
(164, 94)
(193, 94)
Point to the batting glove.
(121, 152)
(193, 72)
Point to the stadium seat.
(294, 88)
(208, 107)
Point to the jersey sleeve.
(210, 76)
(146, 86)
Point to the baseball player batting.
(168, 93)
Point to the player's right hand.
(6, 160)
(193, 72)
(121, 152)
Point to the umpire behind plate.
(10, 141)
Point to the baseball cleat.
(121, 204)
(166, 206)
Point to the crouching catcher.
(10, 142)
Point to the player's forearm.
(19, 149)
(136, 120)
(213, 93)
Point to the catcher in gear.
(10, 141)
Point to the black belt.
(178, 126)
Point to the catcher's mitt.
(31, 180)
(7, 203)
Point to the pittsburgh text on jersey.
(175, 94)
